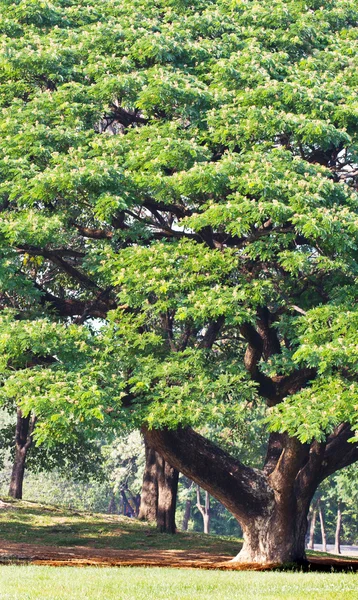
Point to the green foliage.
(169, 172)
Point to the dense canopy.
(188, 170)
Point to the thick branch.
(94, 232)
(273, 453)
(211, 333)
(244, 491)
(290, 384)
(56, 258)
(309, 475)
(289, 464)
(339, 451)
(71, 307)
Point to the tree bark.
(167, 496)
(310, 544)
(23, 440)
(149, 496)
(159, 492)
(204, 510)
(337, 540)
(323, 528)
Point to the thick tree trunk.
(337, 541)
(167, 496)
(149, 496)
(275, 539)
(17, 474)
(323, 528)
(159, 492)
(310, 544)
(23, 440)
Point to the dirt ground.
(12, 552)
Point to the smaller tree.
(204, 509)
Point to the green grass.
(91, 583)
(47, 525)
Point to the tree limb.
(244, 491)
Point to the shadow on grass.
(45, 525)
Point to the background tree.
(123, 470)
(79, 458)
(189, 173)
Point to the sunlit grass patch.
(51, 583)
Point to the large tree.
(188, 171)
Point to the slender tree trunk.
(112, 505)
(204, 510)
(159, 492)
(310, 544)
(137, 504)
(337, 541)
(129, 505)
(23, 439)
(186, 516)
(187, 510)
(323, 528)
(134, 502)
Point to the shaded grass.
(91, 583)
(52, 526)
(330, 555)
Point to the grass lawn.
(126, 583)
(47, 525)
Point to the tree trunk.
(271, 504)
(186, 516)
(310, 544)
(187, 510)
(149, 496)
(134, 501)
(323, 528)
(159, 492)
(23, 439)
(337, 541)
(112, 505)
(204, 510)
(275, 539)
(167, 496)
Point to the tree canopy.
(189, 166)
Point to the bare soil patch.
(78, 556)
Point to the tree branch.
(244, 491)
(56, 258)
(339, 451)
